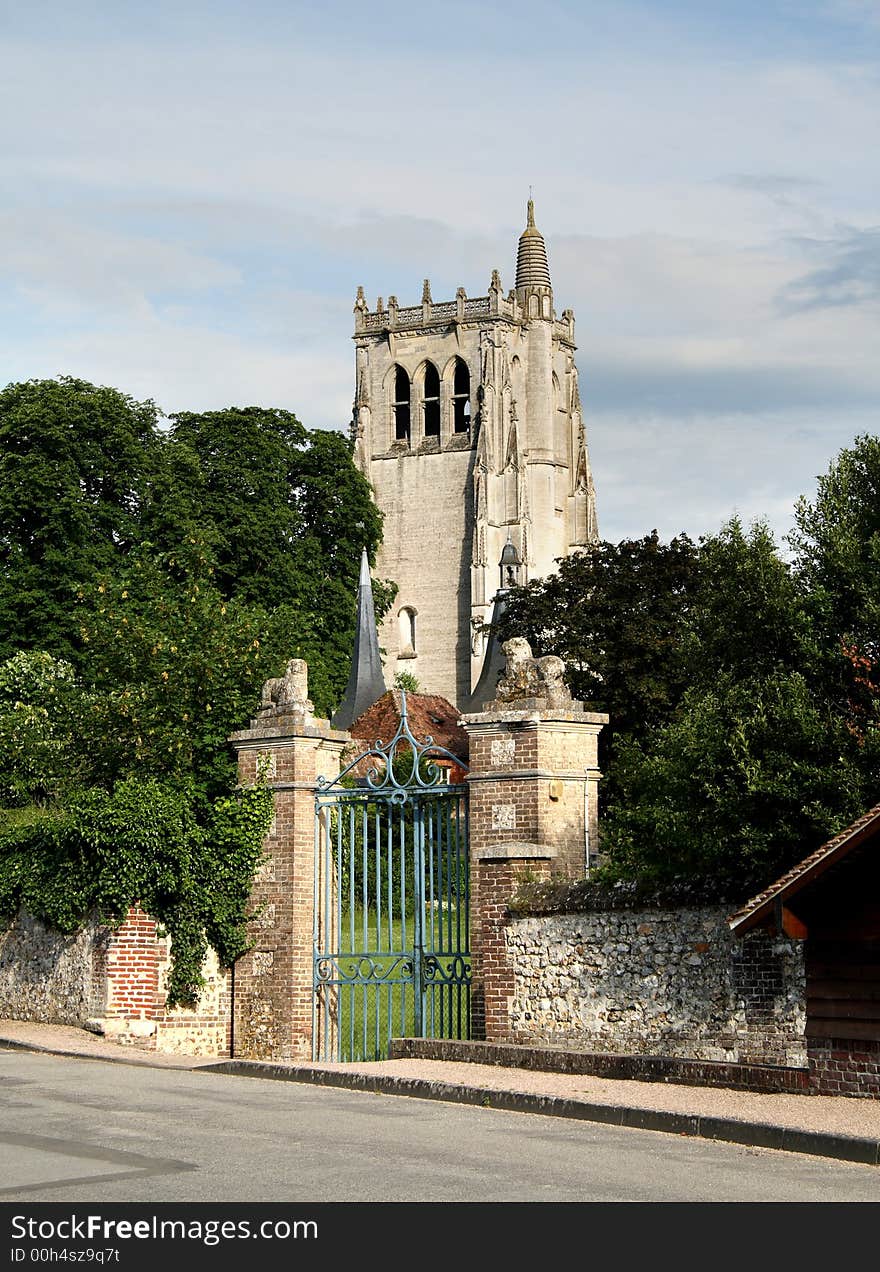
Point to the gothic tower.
(468, 425)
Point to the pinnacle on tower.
(532, 269)
(366, 682)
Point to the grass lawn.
(384, 1007)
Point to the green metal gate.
(391, 949)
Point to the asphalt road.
(82, 1130)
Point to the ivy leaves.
(98, 853)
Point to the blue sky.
(191, 193)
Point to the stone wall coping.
(286, 730)
(585, 774)
(525, 717)
(516, 850)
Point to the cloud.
(50, 254)
(692, 474)
(190, 203)
(851, 276)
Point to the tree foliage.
(742, 690)
(742, 781)
(152, 580)
(836, 545)
(617, 615)
(76, 467)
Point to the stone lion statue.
(527, 677)
(290, 692)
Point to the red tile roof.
(762, 907)
(428, 715)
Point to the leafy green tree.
(747, 615)
(286, 515)
(235, 474)
(726, 755)
(178, 571)
(76, 463)
(738, 785)
(836, 546)
(617, 614)
(174, 667)
(288, 508)
(42, 705)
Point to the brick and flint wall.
(112, 981)
(672, 982)
(532, 809)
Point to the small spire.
(366, 682)
(360, 301)
(426, 292)
(531, 212)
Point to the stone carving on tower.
(468, 424)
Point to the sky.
(191, 193)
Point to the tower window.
(406, 619)
(401, 406)
(431, 401)
(461, 398)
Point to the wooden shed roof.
(762, 908)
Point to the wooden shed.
(831, 901)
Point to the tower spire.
(366, 682)
(532, 269)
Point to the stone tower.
(468, 425)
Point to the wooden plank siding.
(843, 989)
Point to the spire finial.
(531, 220)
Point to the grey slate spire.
(366, 683)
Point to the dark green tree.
(747, 616)
(836, 546)
(178, 571)
(76, 466)
(728, 756)
(287, 506)
(286, 515)
(617, 613)
(746, 778)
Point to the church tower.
(468, 425)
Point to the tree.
(617, 614)
(286, 515)
(178, 571)
(287, 506)
(737, 785)
(173, 668)
(726, 755)
(235, 474)
(836, 545)
(76, 465)
(42, 706)
(747, 615)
